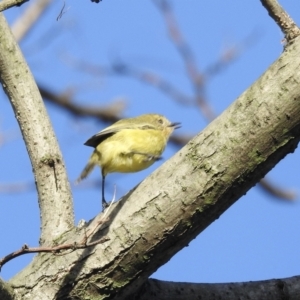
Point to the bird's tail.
(89, 167)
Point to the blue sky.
(258, 237)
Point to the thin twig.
(153, 79)
(121, 68)
(56, 249)
(197, 79)
(230, 54)
(283, 20)
(70, 246)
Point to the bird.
(129, 145)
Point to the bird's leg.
(104, 203)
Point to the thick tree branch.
(275, 289)
(198, 80)
(283, 20)
(51, 179)
(179, 200)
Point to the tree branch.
(283, 20)
(51, 179)
(275, 289)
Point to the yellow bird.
(129, 145)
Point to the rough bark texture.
(283, 20)
(50, 175)
(180, 199)
(6, 291)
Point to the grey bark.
(54, 194)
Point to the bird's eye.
(160, 121)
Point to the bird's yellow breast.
(130, 150)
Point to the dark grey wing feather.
(96, 139)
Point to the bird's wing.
(99, 137)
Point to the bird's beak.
(176, 125)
